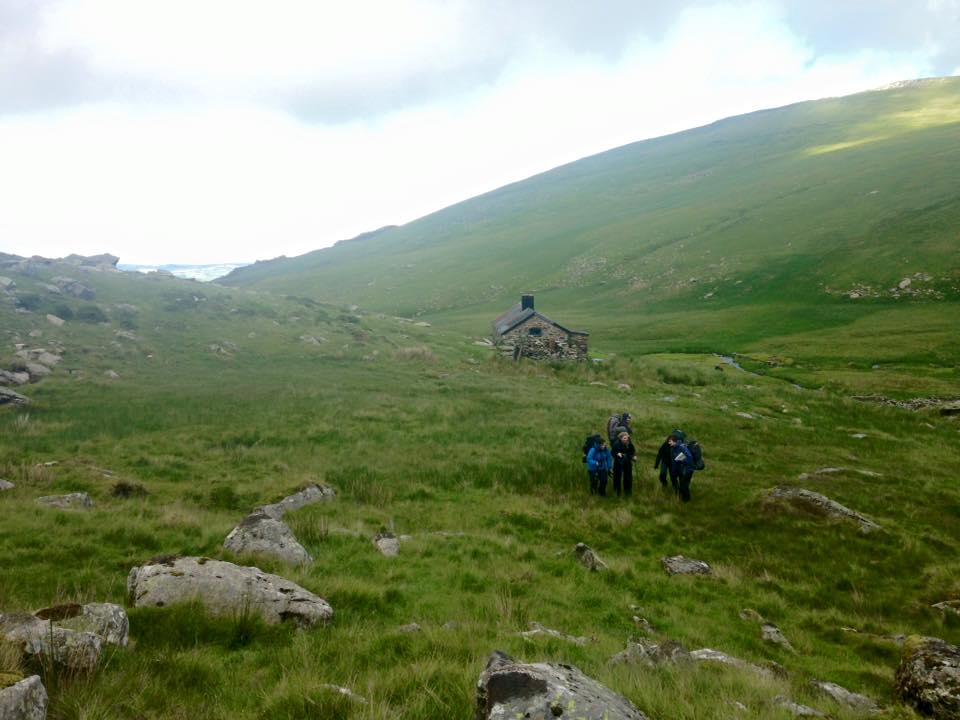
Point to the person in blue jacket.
(681, 465)
(599, 465)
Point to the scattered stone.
(106, 620)
(309, 495)
(508, 689)
(450, 625)
(716, 656)
(844, 697)
(43, 638)
(904, 284)
(70, 501)
(8, 396)
(127, 335)
(796, 709)
(588, 558)
(261, 534)
(410, 628)
(858, 436)
(929, 677)
(772, 634)
(920, 403)
(422, 323)
(387, 543)
(623, 386)
(24, 700)
(644, 626)
(947, 606)
(347, 692)
(224, 588)
(35, 333)
(647, 652)
(74, 287)
(6, 485)
(14, 377)
(37, 371)
(950, 410)
(752, 616)
(55, 321)
(679, 565)
(821, 505)
(745, 415)
(112, 374)
(597, 383)
(538, 629)
(6, 283)
(895, 638)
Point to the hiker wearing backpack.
(663, 461)
(685, 459)
(599, 464)
(618, 424)
(624, 453)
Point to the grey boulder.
(709, 655)
(8, 396)
(541, 691)
(261, 534)
(309, 495)
(24, 700)
(106, 620)
(842, 696)
(224, 588)
(650, 653)
(43, 638)
(71, 501)
(680, 565)
(6, 485)
(929, 677)
(387, 543)
(588, 558)
(14, 377)
(821, 505)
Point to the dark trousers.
(663, 474)
(623, 476)
(684, 485)
(598, 481)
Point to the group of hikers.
(677, 458)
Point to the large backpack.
(612, 424)
(591, 442)
(696, 455)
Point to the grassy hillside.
(753, 234)
(224, 402)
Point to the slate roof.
(517, 315)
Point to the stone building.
(523, 332)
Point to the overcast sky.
(199, 131)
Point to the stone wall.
(551, 344)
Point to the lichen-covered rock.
(716, 656)
(588, 558)
(647, 652)
(929, 677)
(820, 504)
(680, 565)
(772, 634)
(71, 501)
(24, 700)
(844, 697)
(8, 396)
(225, 588)
(387, 543)
(107, 620)
(541, 691)
(36, 637)
(538, 629)
(261, 534)
(307, 496)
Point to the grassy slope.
(447, 439)
(773, 214)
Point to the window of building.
(535, 331)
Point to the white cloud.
(226, 177)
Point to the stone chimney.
(526, 302)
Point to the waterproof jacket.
(663, 456)
(628, 451)
(680, 459)
(599, 459)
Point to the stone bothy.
(523, 332)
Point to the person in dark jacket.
(599, 465)
(618, 424)
(663, 461)
(682, 465)
(624, 453)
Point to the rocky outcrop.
(9, 397)
(820, 505)
(23, 700)
(842, 696)
(14, 377)
(387, 543)
(680, 565)
(538, 629)
(914, 404)
(260, 534)
(772, 634)
(6, 485)
(716, 656)
(588, 558)
(106, 620)
(55, 320)
(929, 677)
(75, 288)
(44, 638)
(224, 588)
(70, 501)
(796, 709)
(508, 689)
(309, 495)
(650, 653)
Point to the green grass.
(423, 433)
